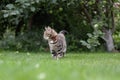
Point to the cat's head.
(49, 33)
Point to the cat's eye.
(48, 34)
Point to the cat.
(56, 41)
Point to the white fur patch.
(51, 41)
(47, 37)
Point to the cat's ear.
(45, 28)
(49, 27)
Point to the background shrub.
(25, 21)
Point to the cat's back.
(60, 36)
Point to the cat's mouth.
(47, 38)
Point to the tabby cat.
(56, 41)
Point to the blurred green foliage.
(26, 20)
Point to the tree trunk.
(109, 40)
(18, 27)
(109, 20)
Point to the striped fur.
(56, 41)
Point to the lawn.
(74, 66)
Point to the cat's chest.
(51, 42)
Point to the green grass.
(75, 66)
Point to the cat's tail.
(63, 32)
